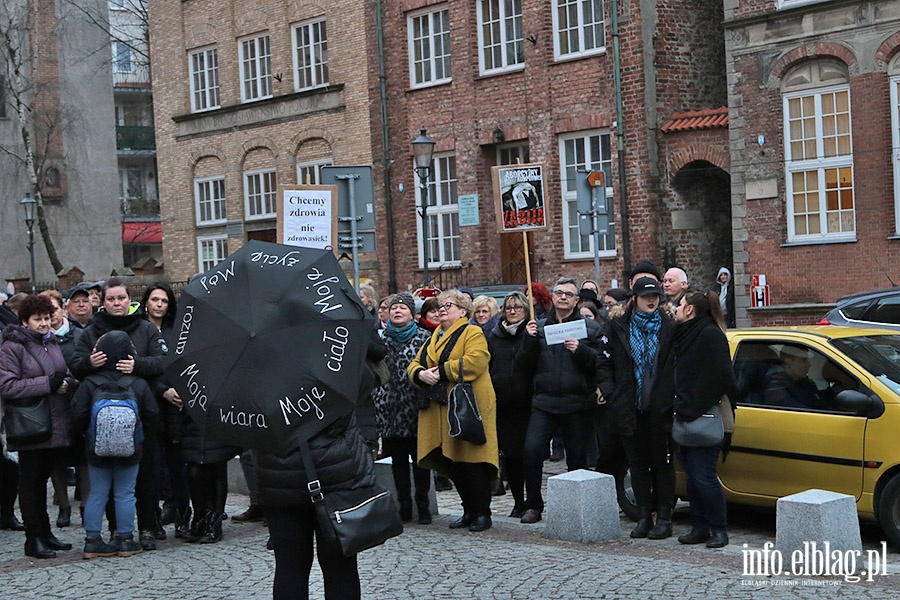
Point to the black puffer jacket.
(513, 386)
(341, 457)
(67, 343)
(702, 365)
(150, 358)
(615, 374)
(564, 382)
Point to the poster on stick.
(519, 197)
(307, 216)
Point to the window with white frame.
(310, 55)
(122, 59)
(818, 153)
(443, 213)
(204, 66)
(209, 198)
(211, 251)
(511, 154)
(429, 46)
(256, 68)
(584, 151)
(578, 28)
(310, 173)
(259, 194)
(500, 35)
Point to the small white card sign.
(307, 216)
(559, 333)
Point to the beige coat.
(436, 449)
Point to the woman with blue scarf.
(396, 410)
(636, 384)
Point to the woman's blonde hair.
(491, 303)
(460, 298)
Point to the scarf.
(401, 335)
(511, 329)
(644, 338)
(63, 329)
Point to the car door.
(789, 435)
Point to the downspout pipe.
(385, 151)
(620, 142)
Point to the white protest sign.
(307, 216)
(559, 333)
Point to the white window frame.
(582, 139)
(581, 26)
(201, 198)
(314, 167)
(520, 149)
(122, 49)
(819, 164)
(204, 82)
(256, 70)
(217, 243)
(431, 43)
(443, 213)
(267, 196)
(508, 42)
(312, 57)
(895, 146)
(786, 4)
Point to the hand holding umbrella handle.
(171, 396)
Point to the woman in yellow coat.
(471, 467)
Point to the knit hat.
(404, 298)
(645, 266)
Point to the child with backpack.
(110, 409)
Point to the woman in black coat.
(514, 390)
(637, 387)
(703, 376)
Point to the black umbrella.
(271, 346)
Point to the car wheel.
(625, 495)
(888, 510)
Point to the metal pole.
(424, 212)
(31, 252)
(596, 219)
(355, 242)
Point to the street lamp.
(28, 205)
(423, 148)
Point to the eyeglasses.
(612, 304)
(512, 308)
(382, 307)
(447, 305)
(564, 293)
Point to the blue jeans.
(707, 498)
(122, 480)
(577, 430)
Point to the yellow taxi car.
(818, 407)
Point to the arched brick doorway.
(700, 241)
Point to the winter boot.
(126, 546)
(644, 524)
(213, 532)
(182, 523)
(169, 514)
(663, 527)
(148, 541)
(198, 527)
(159, 532)
(95, 547)
(65, 516)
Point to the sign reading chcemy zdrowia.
(307, 216)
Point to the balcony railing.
(135, 137)
(140, 208)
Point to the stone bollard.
(236, 482)
(817, 516)
(582, 507)
(385, 477)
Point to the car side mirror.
(860, 404)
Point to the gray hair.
(567, 280)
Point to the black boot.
(11, 523)
(65, 516)
(406, 510)
(159, 532)
(198, 527)
(424, 513)
(182, 523)
(644, 524)
(663, 527)
(169, 514)
(35, 548)
(213, 532)
(51, 541)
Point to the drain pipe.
(385, 151)
(620, 142)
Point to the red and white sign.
(759, 295)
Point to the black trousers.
(34, 472)
(209, 486)
(292, 531)
(473, 483)
(401, 450)
(9, 486)
(650, 454)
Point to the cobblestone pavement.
(509, 561)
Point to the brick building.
(493, 82)
(248, 95)
(814, 103)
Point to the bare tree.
(132, 16)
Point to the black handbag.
(27, 421)
(463, 414)
(352, 520)
(704, 431)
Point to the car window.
(855, 310)
(877, 354)
(885, 310)
(787, 375)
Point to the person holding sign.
(561, 351)
(638, 389)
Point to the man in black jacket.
(564, 392)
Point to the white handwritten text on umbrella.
(336, 353)
(288, 260)
(198, 396)
(302, 405)
(208, 281)
(323, 289)
(243, 419)
(185, 328)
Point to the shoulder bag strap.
(40, 365)
(313, 487)
(460, 377)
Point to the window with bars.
(204, 81)
(578, 28)
(584, 151)
(259, 194)
(209, 198)
(255, 67)
(429, 46)
(310, 55)
(818, 158)
(443, 213)
(211, 251)
(500, 35)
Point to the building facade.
(814, 107)
(247, 96)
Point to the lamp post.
(423, 148)
(28, 205)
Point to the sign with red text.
(519, 194)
